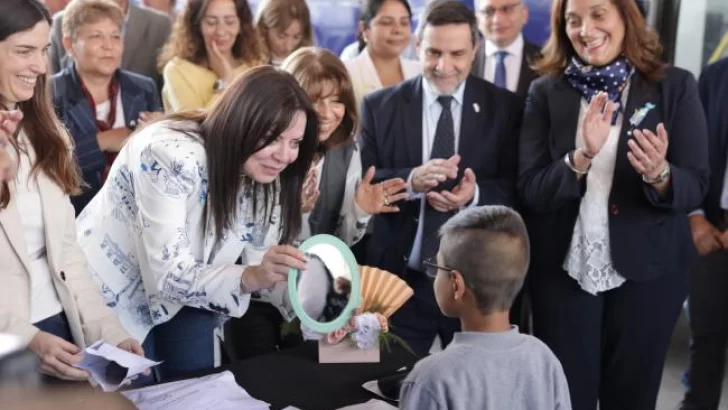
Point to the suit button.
(614, 209)
(63, 275)
(417, 220)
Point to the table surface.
(294, 377)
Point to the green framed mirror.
(325, 295)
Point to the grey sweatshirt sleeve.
(418, 396)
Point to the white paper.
(216, 391)
(372, 404)
(111, 367)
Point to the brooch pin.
(639, 115)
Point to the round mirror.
(325, 294)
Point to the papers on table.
(216, 391)
(111, 367)
(372, 404)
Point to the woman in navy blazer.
(613, 155)
(87, 94)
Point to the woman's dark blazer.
(138, 94)
(649, 236)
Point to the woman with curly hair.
(212, 42)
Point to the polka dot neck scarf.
(590, 80)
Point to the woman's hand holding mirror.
(277, 263)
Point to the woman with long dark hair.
(337, 199)
(613, 156)
(47, 298)
(187, 225)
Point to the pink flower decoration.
(336, 336)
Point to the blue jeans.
(185, 345)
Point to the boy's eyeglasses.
(431, 267)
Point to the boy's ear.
(458, 285)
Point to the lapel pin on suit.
(476, 107)
(639, 116)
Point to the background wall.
(335, 21)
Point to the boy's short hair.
(489, 246)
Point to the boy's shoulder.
(535, 344)
(440, 365)
(536, 349)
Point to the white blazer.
(147, 241)
(88, 317)
(364, 75)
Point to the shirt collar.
(492, 340)
(514, 49)
(431, 94)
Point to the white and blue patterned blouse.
(146, 240)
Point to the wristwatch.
(219, 85)
(664, 175)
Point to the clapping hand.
(647, 154)
(310, 192)
(461, 195)
(434, 172)
(596, 123)
(380, 198)
(9, 121)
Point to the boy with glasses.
(478, 271)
